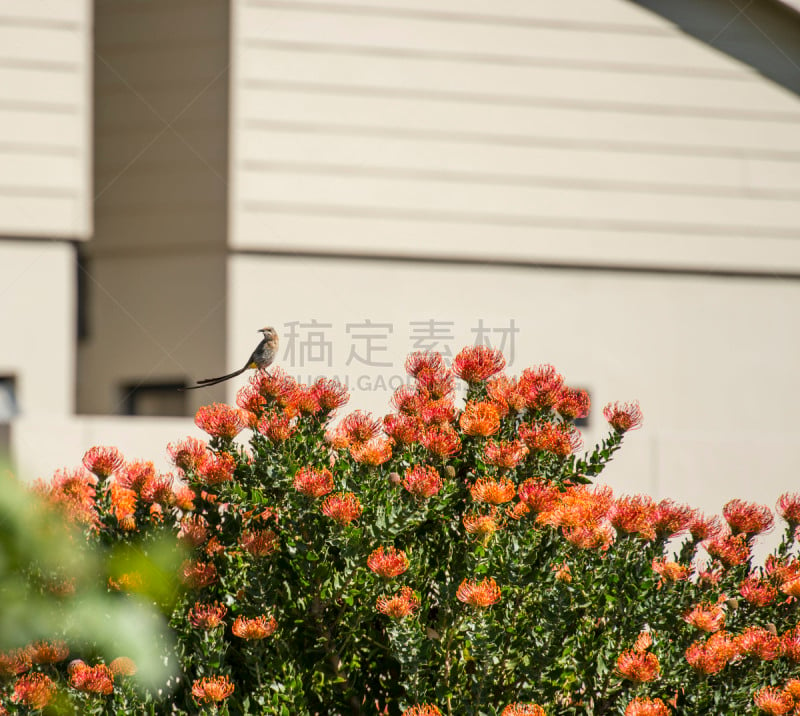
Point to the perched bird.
(261, 357)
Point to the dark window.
(82, 286)
(8, 398)
(154, 399)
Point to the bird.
(260, 358)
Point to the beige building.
(606, 185)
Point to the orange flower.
(505, 455)
(102, 461)
(15, 662)
(711, 656)
(212, 689)
(91, 679)
(670, 571)
(643, 641)
(197, 575)
(220, 420)
(480, 419)
(259, 543)
(276, 427)
(633, 514)
(495, 492)
(773, 701)
(422, 481)
(422, 710)
(478, 594)
(520, 709)
(402, 604)
(563, 573)
(758, 592)
(123, 501)
(123, 666)
(256, 628)
(74, 492)
(360, 427)
(758, 642)
(638, 666)
(573, 403)
(504, 391)
(127, 582)
(194, 530)
(590, 536)
(703, 527)
(482, 526)
(342, 507)
(438, 412)
(792, 687)
(581, 507)
(539, 495)
(790, 644)
(407, 400)
(541, 387)
(158, 489)
(747, 517)
(388, 563)
(48, 652)
(789, 508)
(623, 416)
(671, 518)
(34, 691)
(441, 441)
(421, 362)
(646, 707)
(475, 364)
(312, 482)
(706, 617)
(216, 469)
(207, 616)
(330, 394)
(135, 474)
(561, 439)
(374, 452)
(403, 429)
(729, 549)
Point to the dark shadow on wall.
(764, 34)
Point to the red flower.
(220, 420)
(330, 394)
(193, 530)
(505, 391)
(216, 469)
(276, 427)
(441, 441)
(74, 492)
(789, 508)
(197, 575)
(561, 439)
(15, 662)
(136, 474)
(402, 604)
(259, 543)
(373, 452)
(123, 666)
(482, 526)
(641, 706)
(477, 363)
(495, 492)
(256, 628)
(573, 403)
(790, 644)
(758, 642)
(313, 482)
(541, 387)
(702, 527)
(388, 563)
(102, 461)
(188, 454)
(758, 592)
(623, 416)
(538, 495)
(275, 385)
(638, 666)
(422, 710)
(633, 515)
(481, 419)
(729, 549)
(706, 617)
(671, 518)
(520, 709)
(506, 454)
(670, 571)
(342, 507)
(212, 689)
(747, 517)
(711, 656)
(92, 679)
(424, 362)
(436, 386)
(407, 400)
(48, 652)
(158, 490)
(437, 412)
(478, 594)
(590, 536)
(207, 616)
(34, 691)
(773, 701)
(360, 427)
(422, 481)
(403, 429)
(305, 400)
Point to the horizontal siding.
(45, 118)
(521, 119)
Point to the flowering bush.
(442, 560)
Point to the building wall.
(573, 132)
(45, 118)
(160, 166)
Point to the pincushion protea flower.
(402, 604)
(123, 666)
(374, 452)
(330, 394)
(670, 571)
(342, 507)
(97, 679)
(216, 469)
(478, 594)
(788, 507)
(711, 656)
(422, 710)
(758, 642)
(276, 427)
(573, 403)
(441, 441)
(207, 616)
(774, 701)
(102, 461)
(538, 495)
(790, 644)
(422, 481)
(729, 549)
(480, 419)
(633, 514)
(482, 526)
(220, 420)
(259, 627)
(561, 439)
(623, 416)
(705, 616)
(193, 530)
(520, 709)
(388, 562)
(505, 454)
(313, 482)
(212, 689)
(360, 427)
(403, 429)
(747, 517)
(259, 543)
(758, 592)
(14, 662)
(48, 652)
(476, 364)
(34, 691)
(495, 492)
(187, 454)
(641, 706)
(541, 387)
(638, 666)
(197, 575)
(421, 362)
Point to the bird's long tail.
(206, 382)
